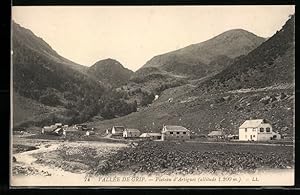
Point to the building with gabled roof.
(257, 130)
(173, 132)
(131, 133)
(117, 130)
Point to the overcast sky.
(133, 35)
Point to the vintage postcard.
(152, 96)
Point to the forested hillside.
(40, 74)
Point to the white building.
(257, 130)
(88, 133)
(131, 133)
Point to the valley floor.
(91, 163)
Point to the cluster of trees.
(106, 106)
(168, 85)
(147, 98)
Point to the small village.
(251, 130)
(80, 149)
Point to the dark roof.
(132, 130)
(175, 128)
(119, 128)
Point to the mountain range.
(193, 62)
(215, 84)
(259, 84)
(203, 58)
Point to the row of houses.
(168, 132)
(131, 133)
(250, 130)
(60, 129)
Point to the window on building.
(184, 132)
(177, 132)
(171, 132)
(268, 129)
(253, 135)
(261, 129)
(245, 129)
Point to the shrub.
(50, 99)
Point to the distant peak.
(108, 61)
(237, 31)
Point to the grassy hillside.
(30, 112)
(199, 60)
(273, 62)
(257, 85)
(202, 114)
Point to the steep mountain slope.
(201, 59)
(110, 71)
(257, 85)
(24, 36)
(41, 75)
(272, 63)
(36, 69)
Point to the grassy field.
(188, 158)
(168, 158)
